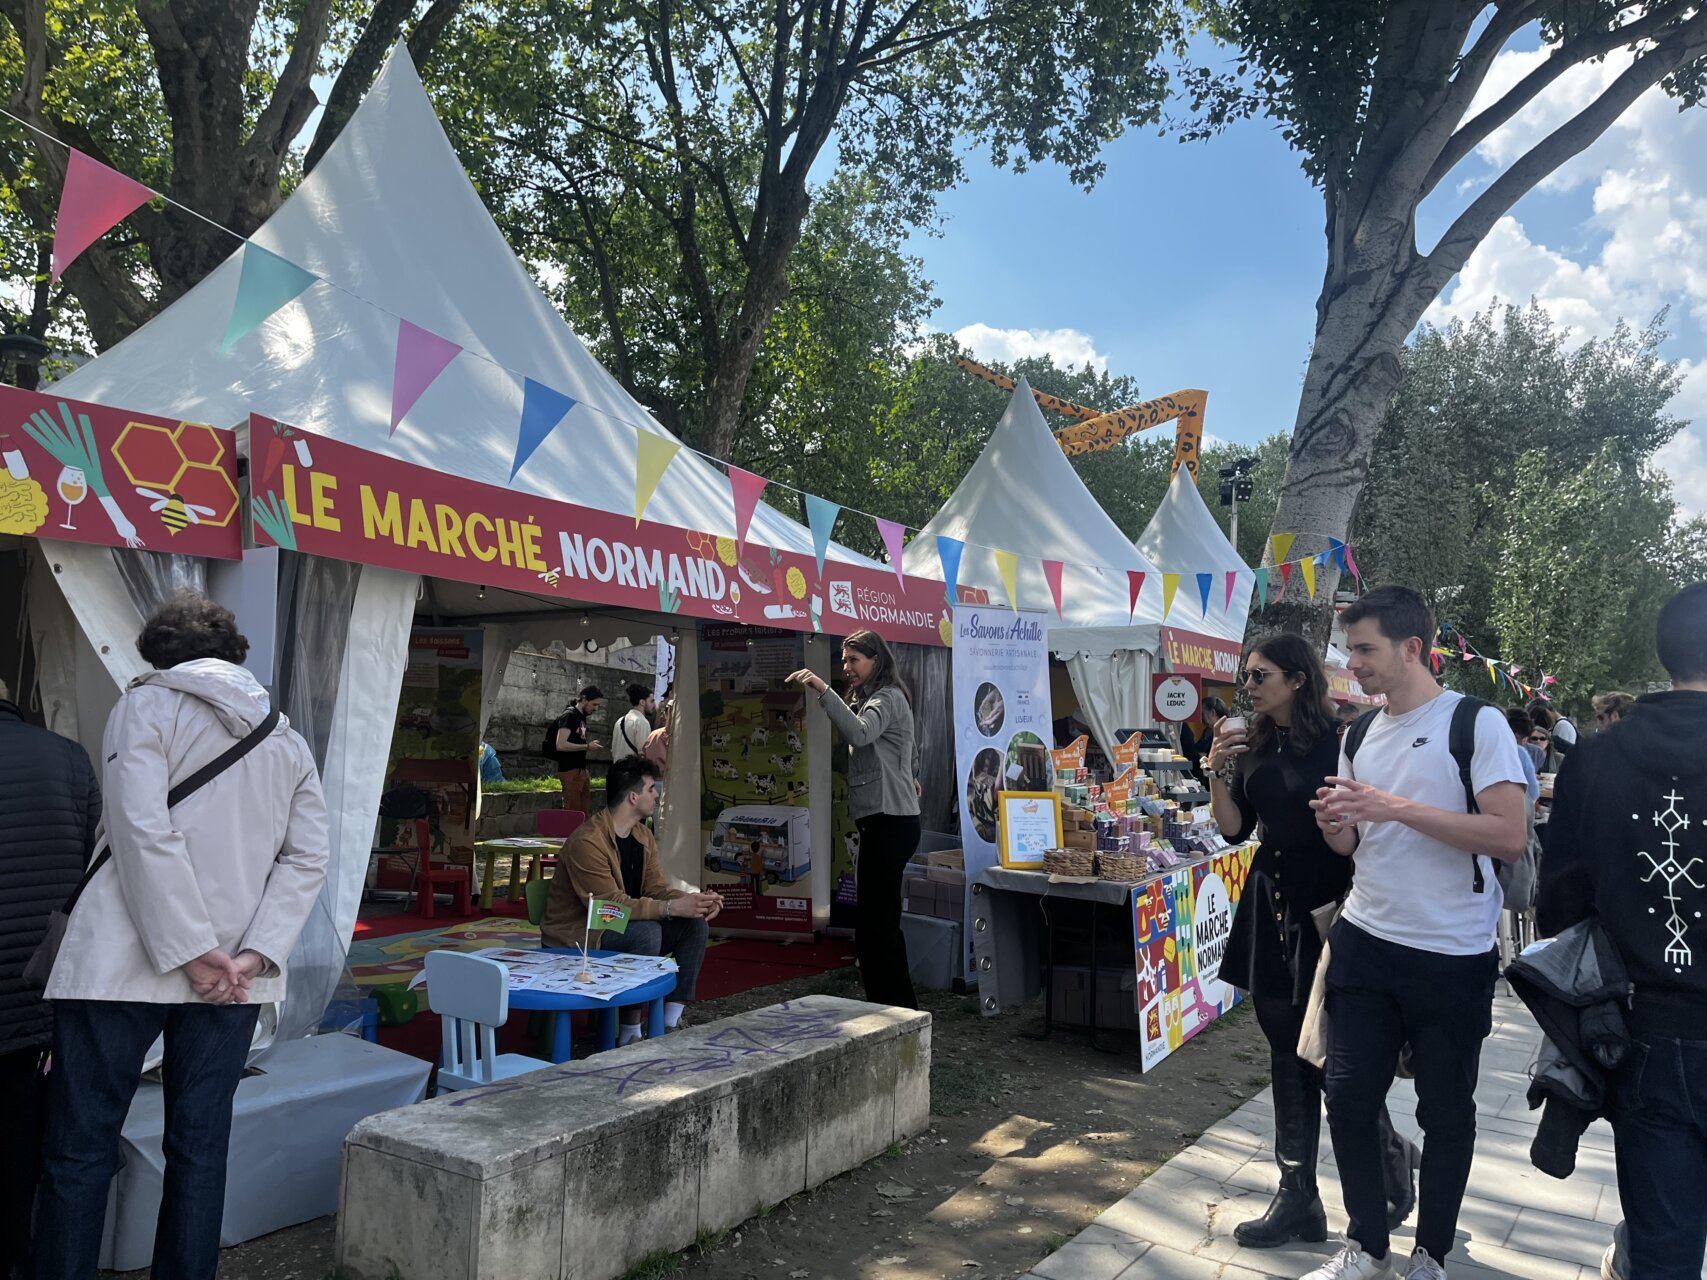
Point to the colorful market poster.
(80, 472)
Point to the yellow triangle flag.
(1007, 563)
(1281, 545)
(1170, 584)
(1491, 673)
(1309, 567)
(656, 452)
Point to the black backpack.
(1517, 879)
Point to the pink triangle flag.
(1134, 589)
(1232, 584)
(1052, 572)
(421, 356)
(893, 535)
(94, 200)
(747, 487)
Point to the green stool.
(397, 1004)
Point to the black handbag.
(40, 966)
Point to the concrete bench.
(580, 1170)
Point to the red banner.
(1344, 688)
(155, 482)
(1202, 655)
(332, 499)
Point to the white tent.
(1184, 537)
(390, 223)
(1022, 495)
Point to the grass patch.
(1052, 1244)
(958, 1089)
(661, 1265)
(709, 1239)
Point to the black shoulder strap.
(1461, 739)
(184, 790)
(1356, 732)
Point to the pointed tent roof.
(1022, 495)
(390, 222)
(1183, 537)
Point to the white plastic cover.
(1184, 537)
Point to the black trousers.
(886, 843)
(1381, 996)
(1659, 1130)
(24, 1089)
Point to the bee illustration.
(551, 577)
(174, 512)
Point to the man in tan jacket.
(613, 858)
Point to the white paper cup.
(1232, 723)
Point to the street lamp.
(1236, 487)
(20, 351)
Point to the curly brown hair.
(190, 626)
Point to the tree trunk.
(765, 289)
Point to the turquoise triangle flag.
(266, 283)
(821, 516)
(542, 409)
(1261, 575)
(1204, 582)
(948, 551)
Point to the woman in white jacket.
(184, 932)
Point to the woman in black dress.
(1262, 778)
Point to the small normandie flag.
(609, 915)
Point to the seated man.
(613, 857)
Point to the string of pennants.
(1500, 674)
(95, 198)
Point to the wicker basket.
(1127, 868)
(1070, 862)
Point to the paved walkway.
(1517, 1221)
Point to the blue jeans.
(98, 1050)
(683, 937)
(1659, 1130)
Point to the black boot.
(1296, 1212)
(1399, 1161)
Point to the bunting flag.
(1007, 564)
(421, 356)
(1232, 585)
(1052, 572)
(1285, 577)
(948, 552)
(746, 488)
(93, 201)
(1308, 567)
(1351, 563)
(1134, 589)
(894, 536)
(655, 453)
(1281, 546)
(1261, 588)
(821, 516)
(265, 284)
(1338, 550)
(542, 409)
(1170, 584)
(1493, 672)
(1204, 582)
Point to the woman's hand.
(811, 679)
(1228, 745)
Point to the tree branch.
(1684, 44)
(293, 99)
(728, 38)
(425, 37)
(918, 44)
(384, 25)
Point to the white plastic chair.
(471, 994)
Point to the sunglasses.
(1257, 675)
(1539, 740)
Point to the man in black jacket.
(1627, 843)
(49, 808)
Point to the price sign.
(1176, 696)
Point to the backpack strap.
(1356, 732)
(1461, 738)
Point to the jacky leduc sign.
(81, 472)
(332, 499)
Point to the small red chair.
(557, 824)
(459, 879)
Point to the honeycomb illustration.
(182, 460)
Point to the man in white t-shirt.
(629, 736)
(1414, 957)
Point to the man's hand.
(217, 978)
(701, 905)
(595, 745)
(1346, 800)
(252, 964)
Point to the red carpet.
(387, 926)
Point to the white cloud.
(1648, 229)
(1067, 347)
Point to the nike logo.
(1420, 742)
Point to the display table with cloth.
(288, 1125)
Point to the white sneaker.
(1352, 1263)
(1424, 1267)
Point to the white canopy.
(1022, 495)
(1184, 538)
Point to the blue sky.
(1198, 265)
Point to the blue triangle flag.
(1204, 582)
(1338, 549)
(542, 409)
(821, 516)
(948, 551)
(265, 284)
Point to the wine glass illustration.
(73, 488)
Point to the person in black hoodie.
(1627, 843)
(49, 809)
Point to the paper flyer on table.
(606, 977)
